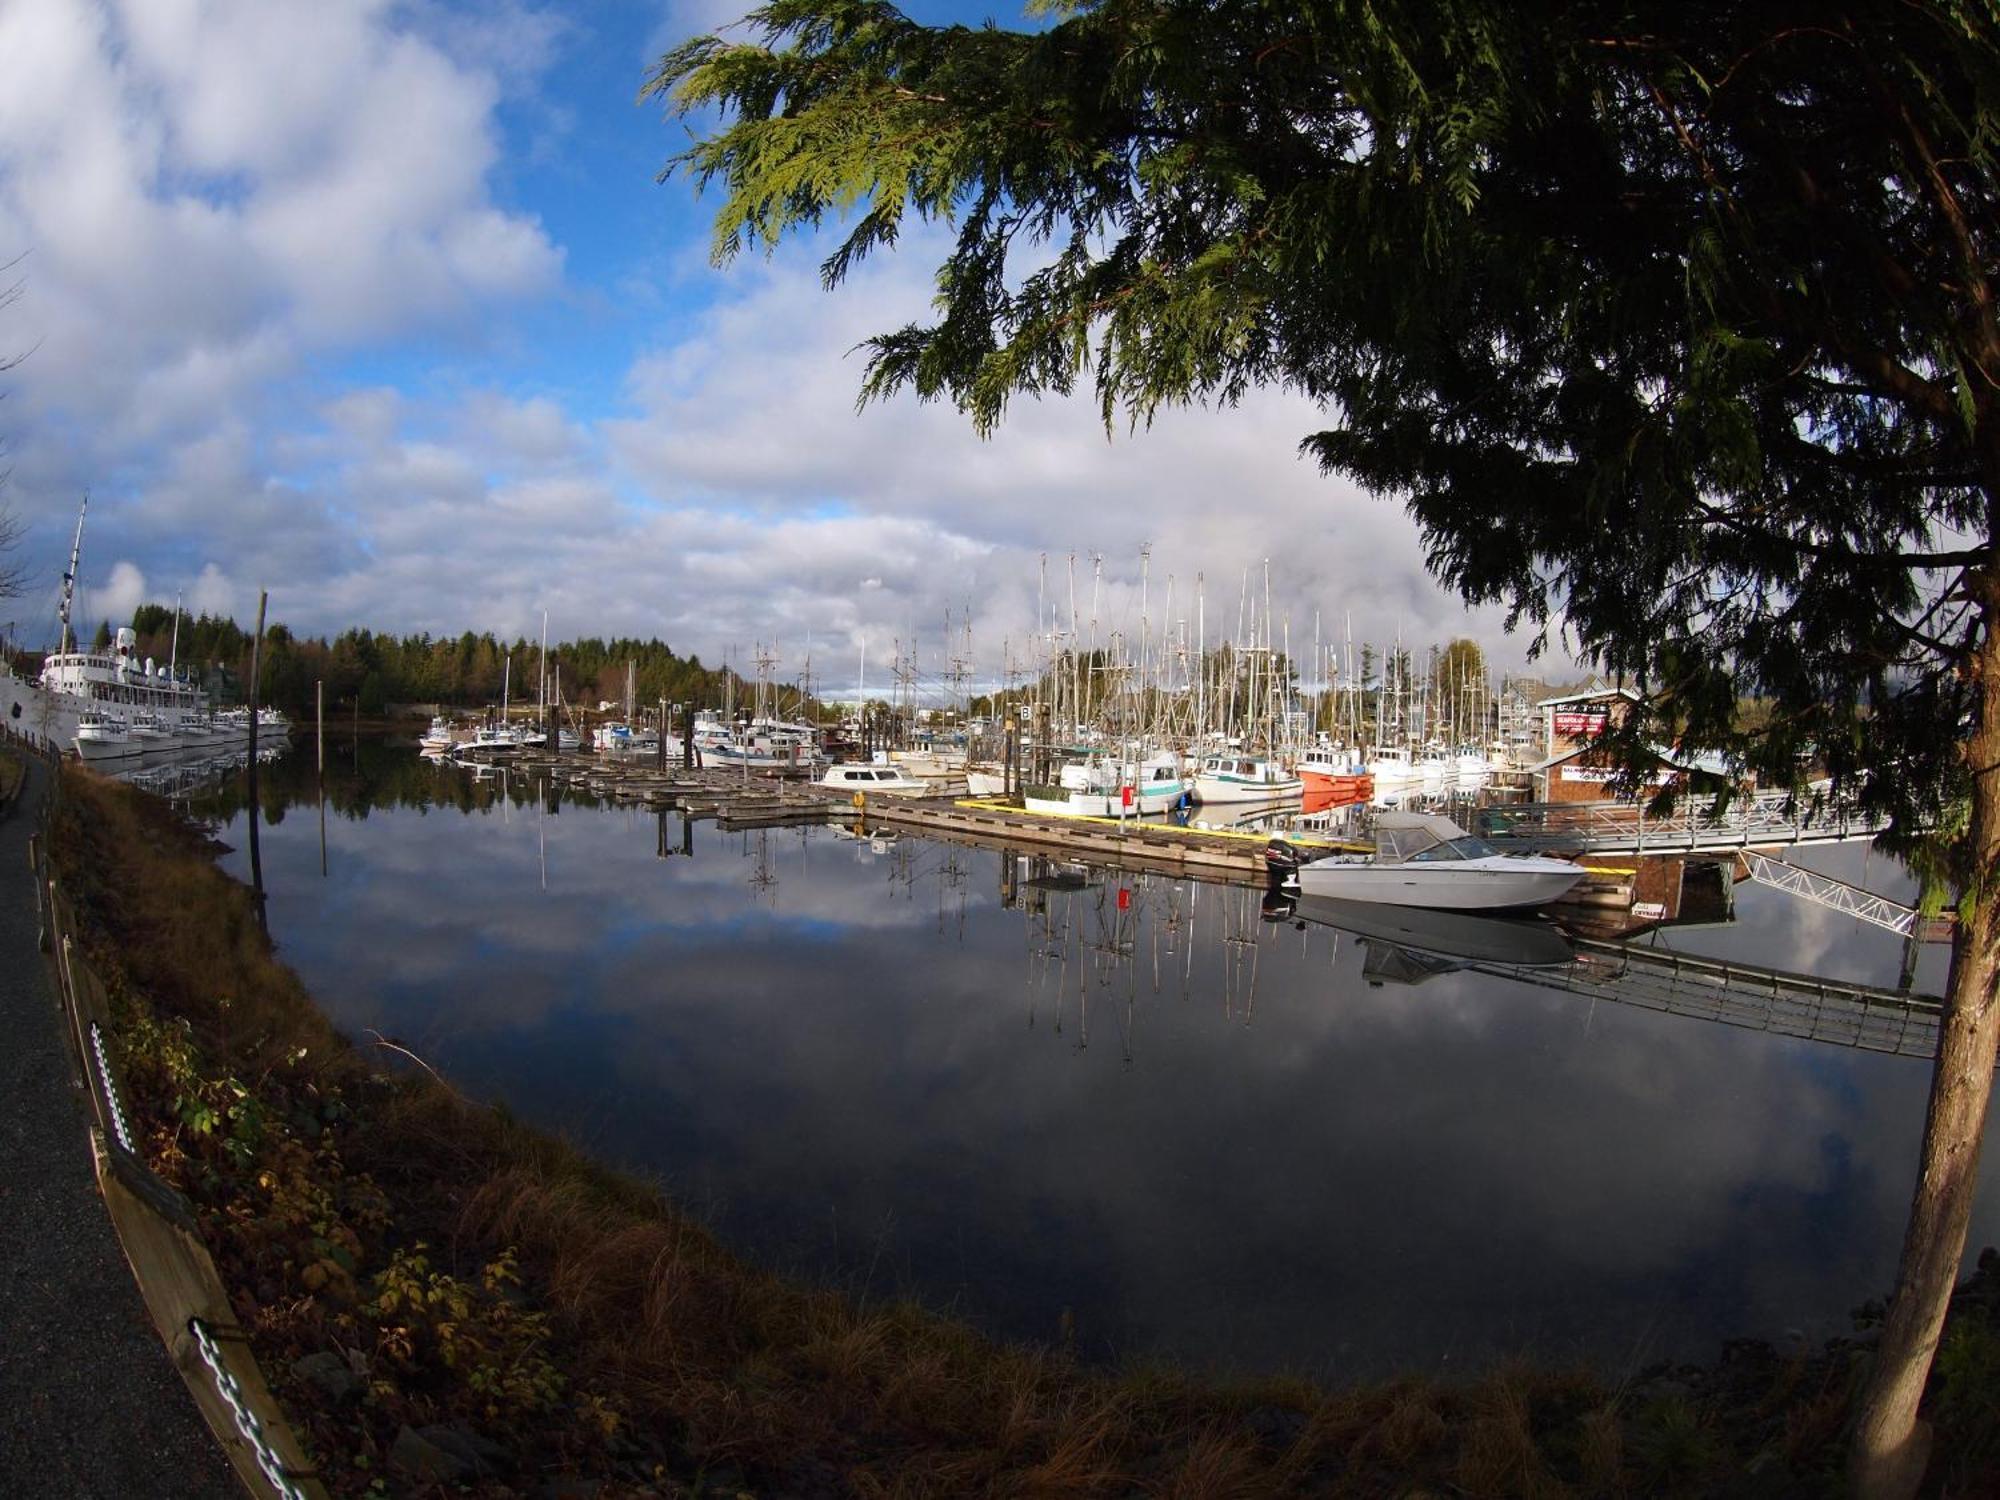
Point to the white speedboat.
(1422, 859)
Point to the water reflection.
(1023, 1089)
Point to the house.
(1570, 771)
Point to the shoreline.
(410, 1263)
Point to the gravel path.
(90, 1404)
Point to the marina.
(629, 957)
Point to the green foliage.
(1669, 323)
(368, 670)
(474, 1330)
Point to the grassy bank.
(451, 1303)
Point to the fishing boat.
(1331, 772)
(1235, 777)
(1104, 787)
(1422, 859)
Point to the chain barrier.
(268, 1462)
(118, 1126)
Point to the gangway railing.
(1838, 895)
(1768, 819)
(1747, 995)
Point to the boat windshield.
(1467, 847)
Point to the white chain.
(118, 1126)
(268, 1461)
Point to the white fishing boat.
(438, 736)
(1235, 777)
(1422, 859)
(1393, 776)
(1103, 787)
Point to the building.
(1571, 771)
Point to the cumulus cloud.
(227, 207)
(208, 195)
(124, 592)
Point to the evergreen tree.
(1674, 318)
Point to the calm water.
(1128, 1101)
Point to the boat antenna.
(69, 578)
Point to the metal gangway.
(1766, 819)
(1747, 995)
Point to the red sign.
(1575, 725)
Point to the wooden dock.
(1618, 896)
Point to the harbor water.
(1142, 1115)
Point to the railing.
(1747, 995)
(1765, 819)
(155, 1224)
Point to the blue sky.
(378, 306)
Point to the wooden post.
(1010, 761)
(319, 718)
(687, 736)
(660, 756)
(256, 854)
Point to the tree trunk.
(1890, 1447)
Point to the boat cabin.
(1403, 838)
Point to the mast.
(174, 655)
(69, 578)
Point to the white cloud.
(124, 592)
(222, 202)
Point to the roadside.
(94, 1406)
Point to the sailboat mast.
(69, 578)
(174, 654)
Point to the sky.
(381, 308)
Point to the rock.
(422, 1459)
(330, 1375)
(481, 1455)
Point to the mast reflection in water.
(1044, 1096)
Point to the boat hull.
(1503, 883)
(1209, 790)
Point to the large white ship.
(113, 709)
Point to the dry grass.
(673, 1358)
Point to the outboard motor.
(1278, 905)
(1281, 864)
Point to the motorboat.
(1424, 859)
(439, 735)
(874, 781)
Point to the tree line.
(368, 670)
